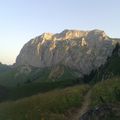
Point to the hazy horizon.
(22, 20)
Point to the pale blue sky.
(21, 20)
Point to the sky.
(21, 20)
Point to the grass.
(35, 88)
(48, 106)
(109, 90)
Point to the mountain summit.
(82, 51)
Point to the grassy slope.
(10, 78)
(36, 81)
(14, 78)
(35, 88)
(107, 87)
(109, 90)
(107, 93)
(47, 106)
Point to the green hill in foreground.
(50, 106)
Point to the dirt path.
(83, 108)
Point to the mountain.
(81, 51)
(69, 57)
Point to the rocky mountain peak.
(96, 33)
(47, 36)
(79, 50)
(70, 34)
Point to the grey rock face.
(79, 50)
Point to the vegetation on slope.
(48, 106)
(23, 75)
(110, 69)
(105, 100)
(35, 88)
(108, 90)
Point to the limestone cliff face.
(79, 50)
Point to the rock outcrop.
(82, 51)
(103, 112)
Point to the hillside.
(23, 75)
(111, 68)
(51, 105)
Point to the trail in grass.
(84, 107)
